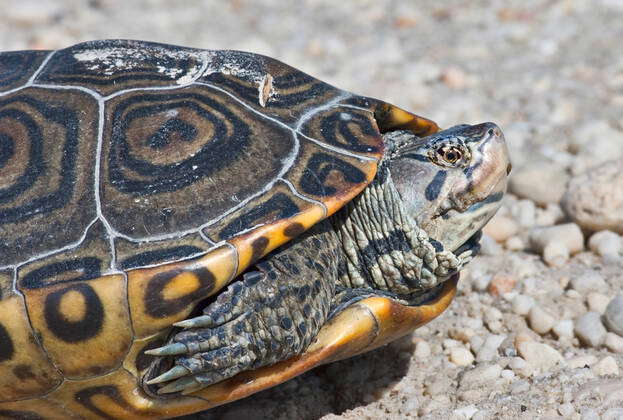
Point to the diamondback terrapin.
(180, 228)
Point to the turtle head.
(451, 182)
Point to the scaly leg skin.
(267, 315)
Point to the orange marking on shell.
(263, 239)
(93, 344)
(390, 117)
(26, 372)
(160, 296)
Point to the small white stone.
(589, 329)
(613, 316)
(524, 211)
(590, 414)
(476, 342)
(540, 321)
(606, 366)
(594, 199)
(563, 329)
(541, 182)
(489, 350)
(500, 228)
(539, 355)
(588, 281)
(614, 343)
(460, 356)
(566, 410)
(568, 234)
(480, 375)
(488, 246)
(507, 374)
(515, 243)
(606, 244)
(449, 343)
(597, 302)
(521, 304)
(422, 350)
(580, 362)
(555, 254)
(465, 412)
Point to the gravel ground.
(536, 330)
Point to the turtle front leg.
(267, 315)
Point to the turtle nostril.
(509, 167)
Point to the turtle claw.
(174, 373)
(179, 385)
(172, 349)
(198, 322)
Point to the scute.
(137, 180)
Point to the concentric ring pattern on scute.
(136, 179)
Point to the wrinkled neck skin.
(383, 246)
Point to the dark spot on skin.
(23, 372)
(74, 331)
(307, 310)
(302, 329)
(303, 292)
(295, 229)
(436, 244)
(258, 246)
(286, 323)
(6, 345)
(434, 188)
(157, 306)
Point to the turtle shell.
(136, 180)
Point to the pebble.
(454, 78)
(520, 386)
(563, 329)
(460, 356)
(522, 304)
(556, 254)
(422, 350)
(540, 182)
(589, 329)
(588, 281)
(606, 244)
(594, 199)
(515, 243)
(500, 228)
(613, 316)
(480, 375)
(566, 410)
(501, 284)
(524, 212)
(550, 215)
(606, 366)
(590, 414)
(488, 246)
(465, 412)
(489, 349)
(580, 362)
(540, 356)
(615, 413)
(598, 140)
(540, 321)
(614, 343)
(568, 234)
(597, 302)
(476, 342)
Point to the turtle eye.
(448, 154)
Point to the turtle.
(181, 228)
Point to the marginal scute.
(37, 409)
(183, 178)
(24, 369)
(90, 332)
(154, 310)
(47, 148)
